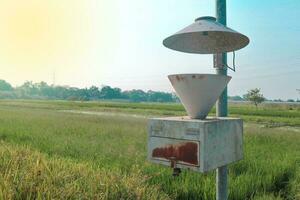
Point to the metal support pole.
(221, 106)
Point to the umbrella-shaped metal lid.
(206, 36)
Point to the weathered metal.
(220, 63)
(206, 36)
(180, 151)
(198, 92)
(219, 140)
(199, 145)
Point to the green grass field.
(97, 150)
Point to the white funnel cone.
(198, 92)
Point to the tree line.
(42, 90)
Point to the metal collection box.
(199, 145)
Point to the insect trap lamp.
(199, 92)
(198, 142)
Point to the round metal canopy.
(206, 36)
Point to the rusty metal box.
(199, 145)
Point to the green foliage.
(42, 90)
(27, 174)
(235, 98)
(110, 93)
(5, 86)
(294, 185)
(272, 114)
(255, 96)
(102, 155)
(290, 100)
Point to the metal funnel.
(198, 92)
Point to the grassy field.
(270, 114)
(97, 150)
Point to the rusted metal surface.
(199, 145)
(198, 92)
(186, 152)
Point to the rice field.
(97, 150)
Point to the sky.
(119, 43)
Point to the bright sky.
(119, 43)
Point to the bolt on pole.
(221, 105)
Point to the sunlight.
(34, 33)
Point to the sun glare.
(38, 32)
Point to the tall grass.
(274, 114)
(27, 174)
(47, 154)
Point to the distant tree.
(42, 90)
(175, 97)
(136, 95)
(5, 86)
(60, 92)
(255, 96)
(291, 100)
(108, 92)
(28, 89)
(278, 100)
(94, 92)
(153, 96)
(236, 98)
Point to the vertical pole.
(221, 106)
